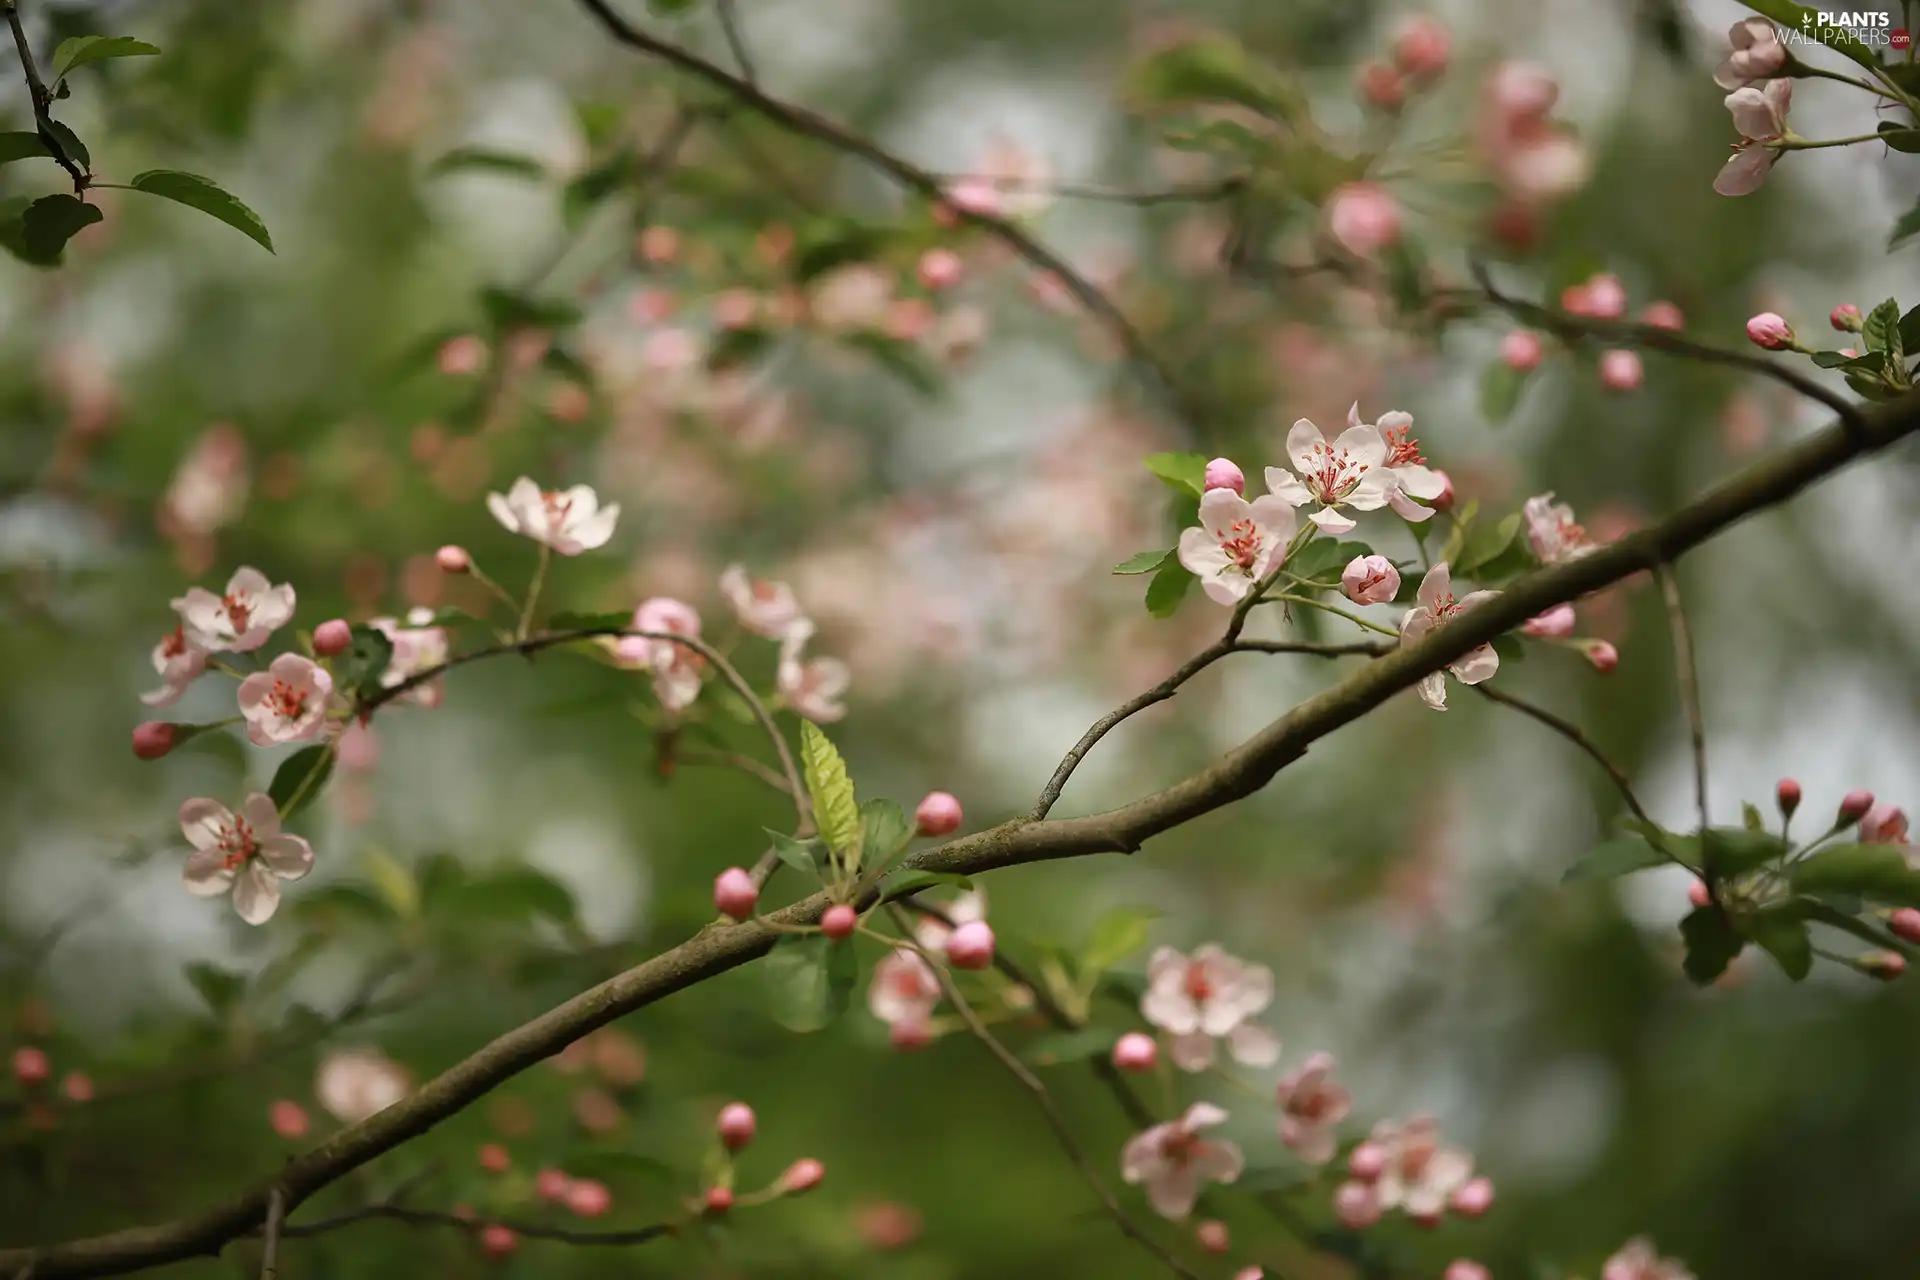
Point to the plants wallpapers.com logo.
(1828, 27)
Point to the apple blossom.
(497, 1241)
(568, 521)
(1602, 655)
(811, 687)
(241, 619)
(903, 991)
(1522, 350)
(244, 851)
(938, 814)
(1663, 315)
(1422, 46)
(1380, 85)
(970, 945)
(718, 1200)
(462, 355)
(677, 669)
(1212, 1236)
(1757, 54)
(1786, 794)
(332, 638)
(416, 649)
(802, 1175)
(1436, 606)
(1639, 1260)
(288, 1119)
(1474, 1198)
(736, 1125)
(452, 559)
(1533, 159)
(1551, 530)
(1370, 580)
(179, 660)
(1770, 331)
(1173, 1160)
(1904, 924)
(1135, 1051)
(153, 739)
(31, 1066)
(1466, 1269)
(357, 1084)
(494, 1158)
(1883, 824)
(1854, 806)
(1368, 1160)
(1349, 472)
(1363, 218)
(764, 608)
(1207, 997)
(1411, 478)
(1311, 1107)
(1224, 473)
(287, 702)
(587, 1198)
(1237, 542)
(734, 893)
(1846, 318)
(1420, 1176)
(1621, 370)
(1556, 623)
(1356, 1205)
(1761, 117)
(910, 1035)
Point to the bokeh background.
(177, 403)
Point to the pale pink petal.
(1202, 1115)
(1192, 1051)
(1407, 509)
(256, 894)
(1173, 1191)
(204, 822)
(1364, 445)
(1436, 586)
(1168, 1006)
(1304, 440)
(1253, 1045)
(1419, 481)
(1220, 1161)
(1140, 1159)
(288, 857)
(206, 876)
(503, 512)
(1477, 665)
(1743, 174)
(1433, 691)
(1286, 486)
(261, 814)
(1331, 521)
(1220, 509)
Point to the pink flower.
(1436, 606)
(497, 1241)
(932, 934)
(1639, 1260)
(1356, 1205)
(1757, 54)
(357, 1084)
(736, 309)
(332, 638)
(1770, 331)
(677, 669)
(179, 662)
(242, 619)
(415, 649)
(1363, 217)
(588, 1199)
(1532, 158)
(462, 355)
(1350, 472)
(1404, 465)
(1466, 1269)
(551, 1184)
(940, 269)
(1420, 1176)
(1422, 46)
(1883, 824)
(244, 852)
(1474, 1198)
(1237, 543)
(812, 687)
(658, 245)
(453, 559)
(1207, 997)
(1522, 350)
(904, 990)
(970, 945)
(1380, 85)
(1602, 297)
(1213, 1236)
(1601, 654)
(764, 608)
(1761, 117)
(31, 1066)
(1224, 473)
(839, 921)
(1552, 531)
(1311, 1108)
(1173, 1160)
(569, 521)
(1621, 370)
(1556, 623)
(287, 702)
(1663, 315)
(288, 1119)
(1370, 580)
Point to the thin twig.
(432, 1218)
(735, 760)
(1189, 193)
(736, 42)
(270, 1251)
(1689, 676)
(42, 99)
(1572, 733)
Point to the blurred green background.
(177, 403)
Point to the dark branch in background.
(1191, 193)
(1689, 676)
(800, 121)
(389, 1211)
(42, 98)
(736, 41)
(1572, 733)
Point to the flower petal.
(1331, 521)
(261, 814)
(1287, 487)
(206, 875)
(1253, 1045)
(503, 513)
(1192, 1051)
(1220, 509)
(1174, 1191)
(1743, 174)
(256, 894)
(204, 822)
(1304, 441)
(1220, 1161)
(1363, 444)
(288, 857)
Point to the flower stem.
(533, 592)
(1337, 611)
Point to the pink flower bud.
(1356, 1205)
(1368, 1161)
(332, 638)
(1883, 966)
(1363, 217)
(719, 1200)
(938, 814)
(940, 269)
(1444, 501)
(461, 356)
(734, 893)
(1854, 806)
(1556, 623)
(497, 1241)
(552, 1185)
(1663, 315)
(1370, 580)
(659, 245)
(1620, 370)
(1846, 318)
(1380, 85)
(1770, 331)
(152, 739)
(839, 921)
(802, 1175)
(589, 1199)
(288, 1119)
(1905, 924)
(1474, 1199)
(1602, 298)
(1602, 655)
(909, 1035)
(1522, 350)
(452, 559)
(1422, 46)
(970, 945)
(494, 1158)
(30, 1066)
(736, 1125)
(1224, 473)
(1135, 1051)
(1786, 793)
(78, 1086)
(1466, 1269)
(1213, 1236)
(1884, 824)
(1698, 893)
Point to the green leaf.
(1406, 265)
(810, 980)
(1876, 872)
(1168, 588)
(205, 195)
(340, 903)
(37, 231)
(392, 881)
(1145, 562)
(1782, 933)
(828, 242)
(1183, 472)
(18, 145)
(1881, 330)
(884, 830)
(806, 856)
(1712, 943)
(1731, 850)
(70, 144)
(1618, 857)
(1509, 648)
(1486, 542)
(300, 778)
(513, 895)
(1910, 330)
(912, 882)
(835, 811)
(590, 621)
(1324, 558)
(1069, 1046)
(737, 347)
(1898, 137)
(81, 50)
(220, 988)
(1116, 935)
(1788, 14)
(441, 877)
(1751, 818)
(364, 662)
(582, 195)
(507, 310)
(488, 160)
(622, 1168)
(1212, 69)
(1501, 386)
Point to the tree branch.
(1572, 733)
(392, 1212)
(42, 99)
(736, 41)
(1688, 673)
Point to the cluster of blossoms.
(1599, 297)
(905, 991)
(33, 1072)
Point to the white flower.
(1436, 605)
(1639, 1260)
(179, 661)
(1761, 117)
(287, 702)
(1311, 1108)
(1552, 531)
(1173, 1160)
(569, 521)
(1207, 997)
(243, 851)
(1420, 1176)
(677, 669)
(415, 649)
(812, 688)
(242, 619)
(357, 1084)
(904, 989)
(968, 907)
(1757, 54)
(1347, 473)
(1238, 542)
(1411, 476)
(764, 608)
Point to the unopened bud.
(1883, 966)
(938, 814)
(1522, 350)
(802, 1175)
(734, 893)
(497, 1241)
(332, 638)
(30, 1066)
(1770, 331)
(1602, 655)
(1225, 473)
(1853, 807)
(1786, 794)
(1135, 1051)
(452, 559)
(152, 739)
(736, 1125)
(1663, 315)
(970, 945)
(1213, 1236)
(1846, 318)
(1905, 924)
(719, 1200)
(839, 921)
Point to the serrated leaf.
(835, 811)
(810, 980)
(1183, 472)
(1880, 332)
(1712, 943)
(1069, 1046)
(884, 831)
(220, 988)
(1116, 935)
(81, 50)
(1168, 588)
(1731, 850)
(1501, 387)
(1905, 228)
(300, 778)
(806, 856)
(19, 145)
(1876, 872)
(919, 881)
(487, 160)
(208, 197)
(70, 144)
(1619, 857)
(1144, 562)
(1782, 933)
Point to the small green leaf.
(487, 160)
(298, 781)
(341, 903)
(1732, 850)
(1069, 1046)
(1168, 589)
(207, 196)
(441, 877)
(507, 311)
(18, 145)
(835, 810)
(1212, 69)
(1782, 933)
(1832, 359)
(1881, 330)
(913, 882)
(806, 856)
(1899, 138)
(1910, 330)
(884, 831)
(1324, 558)
(1619, 857)
(1183, 472)
(220, 988)
(44, 226)
(809, 980)
(81, 50)
(1486, 542)
(1712, 943)
(1876, 872)
(1751, 818)
(1501, 386)
(1116, 935)
(1509, 648)
(1145, 562)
